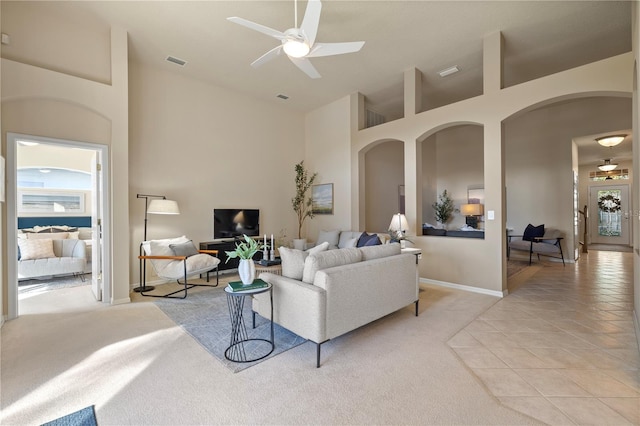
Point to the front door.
(609, 214)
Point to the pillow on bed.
(49, 236)
(36, 249)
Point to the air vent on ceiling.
(176, 61)
(281, 96)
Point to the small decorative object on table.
(245, 251)
(240, 286)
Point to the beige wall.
(207, 147)
(384, 170)
(41, 102)
(327, 152)
(484, 260)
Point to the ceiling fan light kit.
(299, 43)
(611, 140)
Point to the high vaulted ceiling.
(541, 37)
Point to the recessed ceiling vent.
(281, 96)
(176, 61)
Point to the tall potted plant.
(301, 203)
(444, 208)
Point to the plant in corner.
(444, 208)
(245, 250)
(302, 202)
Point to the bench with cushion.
(537, 240)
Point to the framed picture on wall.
(322, 198)
(50, 202)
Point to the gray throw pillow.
(331, 237)
(184, 249)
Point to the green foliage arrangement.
(301, 202)
(444, 207)
(245, 250)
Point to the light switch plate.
(491, 215)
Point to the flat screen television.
(231, 223)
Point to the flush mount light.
(611, 140)
(45, 170)
(449, 71)
(28, 143)
(607, 166)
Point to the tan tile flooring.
(562, 347)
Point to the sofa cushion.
(161, 248)
(368, 240)
(376, 252)
(353, 242)
(328, 259)
(293, 260)
(184, 249)
(346, 237)
(332, 237)
(48, 236)
(36, 249)
(531, 232)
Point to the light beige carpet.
(66, 352)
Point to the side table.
(237, 352)
(274, 269)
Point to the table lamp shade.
(471, 209)
(163, 207)
(398, 223)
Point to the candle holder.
(265, 254)
(273, 255)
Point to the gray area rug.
(205, 316)
(53, 283)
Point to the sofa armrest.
(297, 306)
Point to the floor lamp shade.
(163, 207)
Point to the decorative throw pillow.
(36, 249)
(332, 237)
(531, 232)
(350, 243)
(319, 248)
(368, 240)
(347, 236)
(184, 249)
(292, 262)
(48, 236)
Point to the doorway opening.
(56, 196)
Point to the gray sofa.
(70, 258)
(341, 290)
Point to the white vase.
(247, 271)
(299, 243)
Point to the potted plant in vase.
(245, 250)
(302, 202)
(444, 208)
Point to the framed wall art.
(322, 198)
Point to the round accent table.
(274, 269)
(241, 347)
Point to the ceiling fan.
(299, 42)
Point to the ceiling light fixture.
(45, 170)
(449, 71)
(28, 143)
(295, 48)
(611, 140)
(607, 166)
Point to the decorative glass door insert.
(609, 213)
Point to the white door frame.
(12, 216)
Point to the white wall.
(207, 147)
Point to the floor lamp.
(158, 205)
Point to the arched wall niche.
(381, 180)
(452, 159)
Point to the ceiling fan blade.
(257, 27)
(305, 65)
(267, 56)
(328, 49)
(311, 20)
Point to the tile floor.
(562, 347)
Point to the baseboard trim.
(462, 287)
(636, 326)
(121, 301)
